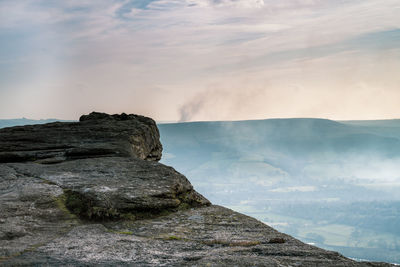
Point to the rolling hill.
(331, 183)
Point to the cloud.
(309, 188)
(125, 48)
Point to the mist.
(330, 183)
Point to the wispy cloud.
(157, 56)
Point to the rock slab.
(92, 193)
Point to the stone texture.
(91, 193)
(111, 187)
(96, 135)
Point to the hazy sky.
(200, 59)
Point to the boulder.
(96, 135)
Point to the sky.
(189, 60)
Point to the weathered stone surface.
(111, 204)
(32, 212)
(114, 187)
(207, 236)
(96, 135)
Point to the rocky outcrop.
(96, 135)
(93, 193)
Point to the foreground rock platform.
(92, 193)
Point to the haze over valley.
(333, 184)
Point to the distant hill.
(379, 123)
(278, 141)
(332, 183)
(19, 122)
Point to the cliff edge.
(92, 193)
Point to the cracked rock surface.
(92, 193)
